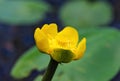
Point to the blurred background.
(19, 18)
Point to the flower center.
(64, 44)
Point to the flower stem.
(50, 70)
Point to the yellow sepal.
(80, 49)
(41, 40)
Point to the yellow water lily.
(62, 46)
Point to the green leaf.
(38, 78)
(100, 62)
(86, 14)
(22, 12)
(30, 60)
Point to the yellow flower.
(62, 46)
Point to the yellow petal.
(67, 38)
(50, 30)
(80, 49)
(41, 40)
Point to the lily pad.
(30, 60)
(86, 14)
(22, 12)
